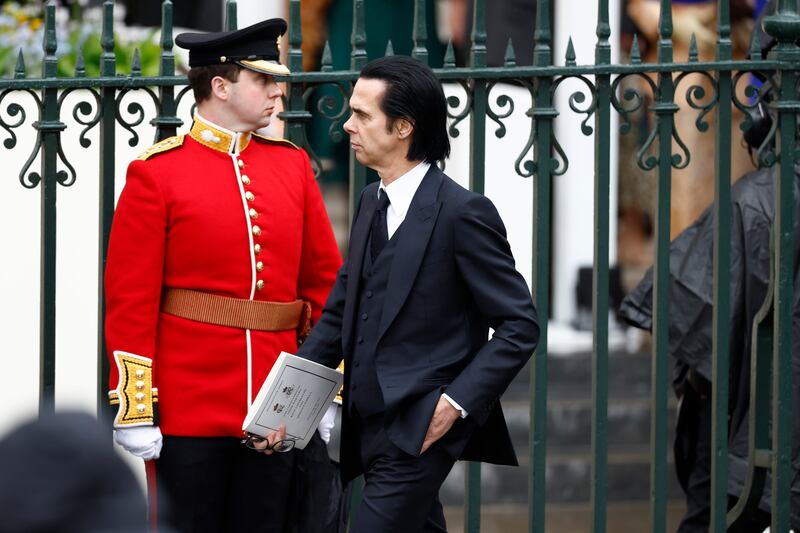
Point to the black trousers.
(215, 484)
(693, 464)
(401, 491)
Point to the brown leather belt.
(237, 312)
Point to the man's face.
(374, 145)
(252, 100)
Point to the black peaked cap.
(254, 47)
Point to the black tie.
(380, 233)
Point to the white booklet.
(296, 393)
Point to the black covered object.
(60, 474)
(254, 47)
(691, 300)
(316, 503)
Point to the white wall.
(249, 12)
(573, 203)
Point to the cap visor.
(273, 68)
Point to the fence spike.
(136, 63)
(295, 38)
(108, 61)
(636, 54)
(167, 62)
(542, 53)
(510, 59)
(570, 56)
(420, 34)
(665, 29)
(478, 50)
(603, 31)
(80, 69)
(50, 43)
(389, 48)
(755, 49)
(107, 37)
(602, 56)
(230, 15)
(449, 56)
(19, 69)
(693, 49)
(327, 57)
(166, 25)
(358, 37)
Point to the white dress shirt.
(401, 191)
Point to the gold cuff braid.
(338, 398)
(135, 394)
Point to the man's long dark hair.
(413, 93)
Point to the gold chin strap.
(135, 394)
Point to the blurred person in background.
(60, 474)
(691, 333)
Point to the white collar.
(401, 191)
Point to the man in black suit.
(428, 273)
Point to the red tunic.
(233, 215)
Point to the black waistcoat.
(365, 392)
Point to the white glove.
(141, 441)
(327, 423)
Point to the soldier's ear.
(220, 87)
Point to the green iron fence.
(772, 449)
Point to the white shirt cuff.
(454, 404)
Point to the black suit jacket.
(452, 278)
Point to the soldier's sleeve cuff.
(135, 395)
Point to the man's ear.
(403, 127)
(220, 87)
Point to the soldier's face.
(375, 144)
(252, 100)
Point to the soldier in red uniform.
(220, 252)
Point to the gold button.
(260, 284)
(257, 248)
(140, 385)
(256, 231)
(140, 374)
(141, 408)
(245, 180)
(250, 196)
(241, 163)
(139, 396)
(253, 214)
(260, 266)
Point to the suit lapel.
(358, 243)
(412, 240)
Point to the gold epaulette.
(164, 146)
(273, 140)
(135, 394)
